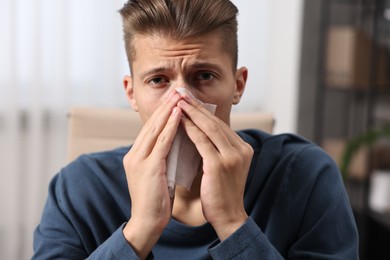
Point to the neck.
(187, 207)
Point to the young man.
(256, 196)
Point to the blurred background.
(321, 66)
(344, 105)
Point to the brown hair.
(180, 19)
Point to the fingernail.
(175, 111)
(182, 103)
(171, 94)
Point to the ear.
(241, 77)
(129, 88)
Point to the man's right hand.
(145, 167)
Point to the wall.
(269, 38)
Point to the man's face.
(199, 64)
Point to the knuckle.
(154, 130)
(151, 128)
(246, 149)
(162, 139)
(202, 138)
(233, 160)
(212, 128)
(127, 160)
(249, 150)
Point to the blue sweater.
(294, 196)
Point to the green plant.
(366, 139)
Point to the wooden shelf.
(360, 91)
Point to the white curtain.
(53, 55)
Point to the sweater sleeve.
(116, 247)
(57, 238)
(320, 209)
(248, 242)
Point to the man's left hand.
(226, 161)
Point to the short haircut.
(180, 19)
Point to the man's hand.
(145, 166)
(226, 161)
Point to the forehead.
(159, 48)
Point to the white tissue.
(183, 159)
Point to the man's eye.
(158, 81)
(205, 76)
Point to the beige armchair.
(92, 129)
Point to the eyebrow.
(195, 65)
(154, 71)
(208, 65)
